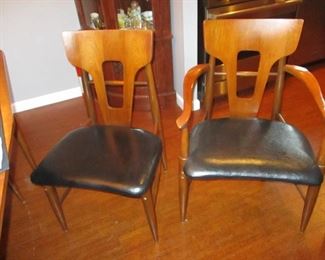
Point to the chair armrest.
(311, 83)
(190, 80)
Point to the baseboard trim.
(71, 93)
(180, 102)
(48, 99)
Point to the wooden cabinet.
(311, 46)
(162, 57)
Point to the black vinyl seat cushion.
(114, 159)
(251, 149)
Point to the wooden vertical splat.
(278, 90)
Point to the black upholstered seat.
(251, 149)
(114, 159)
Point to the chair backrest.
(273, 39)
(88, 50)
(5, 99)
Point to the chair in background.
(8, 116)
(111, 156)
(243, 146)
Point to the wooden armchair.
(244, 146)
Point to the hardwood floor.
(226, 219)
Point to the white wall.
(184, 30)
(30, 36)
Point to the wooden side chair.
(110, 156)
(244, 146)
(11, 123)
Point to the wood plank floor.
(226, 219)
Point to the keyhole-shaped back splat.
(130, 49)
(273, 39)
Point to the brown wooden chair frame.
(275, 30)
(112, 45)
(8, 116)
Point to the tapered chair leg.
(155, 185)
(28, 155)
(53, 197)
(164, 160)
(17, 192)
(64, 195)
(24, 147)
(149, 207)
(184, 187)
(310, 200)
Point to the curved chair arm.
(312, 84)
(190, 80)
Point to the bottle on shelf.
(95, 21)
